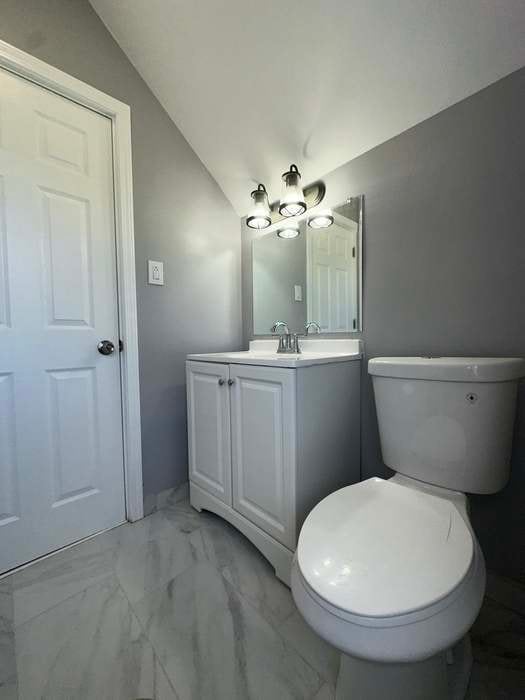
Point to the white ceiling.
(255, 85)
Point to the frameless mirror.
(314, 276)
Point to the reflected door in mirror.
(332, 276)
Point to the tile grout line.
(67, 598)
(111, 573)
(276, 628)
(146, 635)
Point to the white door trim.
(26, 66)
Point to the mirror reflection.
(307, 271)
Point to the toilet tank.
(448, 420)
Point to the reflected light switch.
(298, 292)
(155, 272)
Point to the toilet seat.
(402, 639)
(381, 550)
(433, 572)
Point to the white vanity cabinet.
(267, 443)
(241, 426)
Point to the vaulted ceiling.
(255, 85)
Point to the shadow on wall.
(499, 520)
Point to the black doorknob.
(106, 347)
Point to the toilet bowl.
(390, 571)
(392, 575)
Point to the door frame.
(33, 69)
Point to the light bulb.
(321, 220)
(292, 202)
(288, 232)
(259, 216)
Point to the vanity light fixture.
(259, 217)
(321, 220)
(291, 231)
(292, 202)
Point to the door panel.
(62, 144)
(263, 447)
(321, 296)
(343, 305)
(74, 433)
(61, 449)
(4, 292)
(209, 427)
(9, 505)
(67, 237)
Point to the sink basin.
(314, 351)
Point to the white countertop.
(314, 351)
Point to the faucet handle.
(312, 324)
(280, 324)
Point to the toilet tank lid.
(449, 369)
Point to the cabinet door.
(263, 448)
(209, 440)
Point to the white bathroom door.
(61, 441)
(332, 277)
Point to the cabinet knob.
(231, 381)
(221, 381)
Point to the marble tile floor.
(180, 606)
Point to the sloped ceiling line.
(256, 86)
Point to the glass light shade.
(288, 232)
(292, 201)
(259, 216)
(321, 220)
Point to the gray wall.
(181, 217)
(444, 265)
(278, 265)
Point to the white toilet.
(390, 571)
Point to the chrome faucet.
(312, 324)
(284, 338)
(288, 342)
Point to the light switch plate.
(298, 292)
(155, 272)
